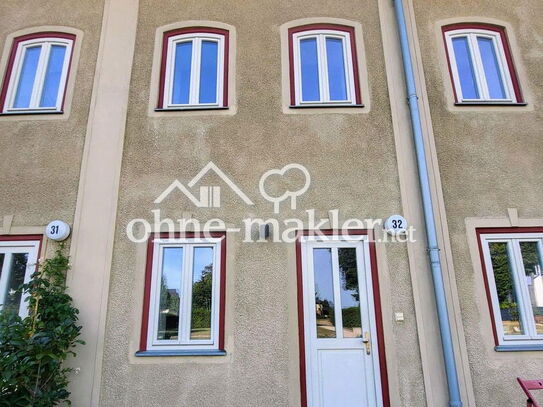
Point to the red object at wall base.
(528, 385)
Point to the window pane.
(208, 72)
(170, 293)
(324, 293)
(181, 75)
(350, 294)
(202, 289)
(491, 67)
(336, 69)
(310, 70)
(16, 273)
(52, 76)
(464, 65)
(505, 286)
(2, 256)
(27, 77)
(531, 257)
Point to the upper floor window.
(18, 260)
(194, 71)
(481, 65)
(323, 66)
(514, 277)
(37, 73)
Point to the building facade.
(137, 122)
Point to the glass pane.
(324, 293)
(336, 69)
(16, 273)
(310, 70)
(27, 76)
(2, 256)
(208, 72)
(202, 288)
(464, 65)
(531, 257)
(491, 67)
(350, 293)
(505, 287)
(170, 293)
(181, 75)
(52, 76)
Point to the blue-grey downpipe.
(431, 231)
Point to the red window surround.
(310, 27)
(13, 52)
(377, 306)
(485, 231)
(149, 274)
(192, 30)
(506, 47)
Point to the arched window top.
(37, 72)
(481, 64)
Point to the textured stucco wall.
(351, 158)
(490, 160)
(40, 156)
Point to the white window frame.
(197, 39)
(322, 56)
(184, 342)
(39, 80)
(478, 68)
(523, 296)
(9, 248)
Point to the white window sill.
(490, 103)
(324, 105)
(518, 348)
(31, 112)
(178, 352)
(189, 108)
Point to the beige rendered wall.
(490, 160)
(352, 160)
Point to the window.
(323, 66)
(184, 305)
(18, 258)
(481, 65)
(37, 73)
(514, 279)
(194, 70)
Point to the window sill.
(518, 348)
(188, 109)
(195, 352)
(31, 112)
(323, 106)
(489, 104)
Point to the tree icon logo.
(287, 194)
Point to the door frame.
(376, 307)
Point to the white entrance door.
(341, 355)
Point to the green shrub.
(33, 349)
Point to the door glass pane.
(464, 66)
(491, 68)
(181, 75)
(350, 293)
(170, 293)
(208, 72)
(336, 69)
(531, 257)
(310, 70)
(16, 277)
(27, 76)
(52, 76)
(202, 287)
(324, 293)
(505, 286)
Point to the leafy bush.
(33, 349)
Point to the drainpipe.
(431, 231)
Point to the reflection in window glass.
(208, 72)
(170, 293)
(492, 70)
(27, 77)
(324, 293)
(181, 75)
(2, 255)
(336, 69)
(310, 69)
(16, 273)
(505, 286)
(52, 76)
(464, 66)
(350, 293)
(531, 257)
(202, 288)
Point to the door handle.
(367, 342)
